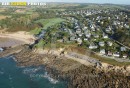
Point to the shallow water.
(12, 76)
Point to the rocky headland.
(78, 70)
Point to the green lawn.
(46, 23)
(35, 31)
(50, 22)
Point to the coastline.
(14, 42)
(77, 74)
(86, 60)
(59, 66)
(10, 42)
(79, 70)
(22, 36)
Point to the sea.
(13, 76)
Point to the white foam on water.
(31, 70)
(33, 74)
(53, 81)
(14, 59)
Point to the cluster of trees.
(14, 24)
(18, 22)
(45, 14)
(121, 36)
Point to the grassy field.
(35, 31)
(46, 23)
(50, 22)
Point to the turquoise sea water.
(12, 76)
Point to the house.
(108, 30)
(87, 34)
(125, 56)
(1, 49)
(109, 43)
(85, 28)
(93, 46)
(102, 22)
(92, 27)
(109, 18)
(72, 38)
(79, 40)
(117, 17)
(126, 26)
(99, 21)
(95, 35)
(85, 39)
(102, 51)
(105, 36)
(80, 34)
(98, 17)
(66, 30)
(123, 49)
(98, 28)
(101, 43)
(116, 54)
(115, 23)
(109, 53)
(76, 27)
(94, 30)
(78, 31)
(126, 16)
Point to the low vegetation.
(93, 55)
(49, 22)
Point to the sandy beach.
(17, 38)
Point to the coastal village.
(94, 29)
(83, 45)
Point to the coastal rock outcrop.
(76, 74)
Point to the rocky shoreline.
(77, 74)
